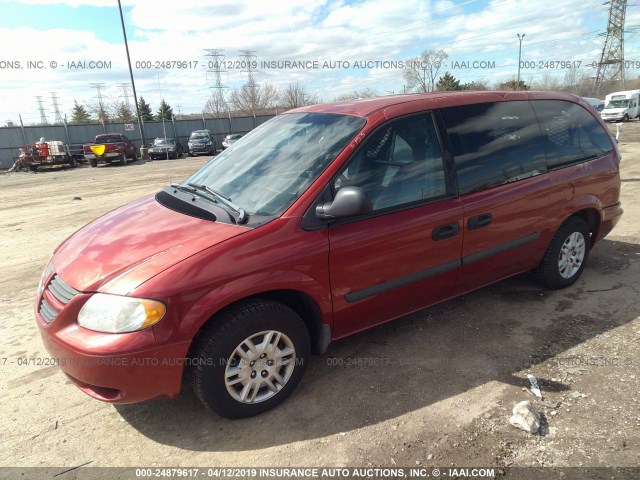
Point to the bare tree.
(548, 82)
(216, 105)
(421, 72)
(254, 98)
(295, 95)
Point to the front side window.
(494, 143)
(571, 133)
(400, 163)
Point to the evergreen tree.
(124, 113)
(164, 112)
(79, 113)
(145, 110)
(512, 84)
(448, 82)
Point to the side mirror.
(349, 202)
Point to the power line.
(101, 112)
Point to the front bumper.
(161, 155)
(106, 157)
(613, 118)
(114, 368)
(197, 149)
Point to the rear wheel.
(93, 162)
(566, 256)
(123, 159)
(250, 359)
(73, 163)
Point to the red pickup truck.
(110, 147)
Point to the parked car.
(201, 142)
(324, 221)
(164, 148)
(231, 139)
(109, 148)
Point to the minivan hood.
(121, 250)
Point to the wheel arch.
(592, 218)
(300, 302)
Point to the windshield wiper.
(186, 188)
(242, 215)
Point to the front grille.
(62, 292)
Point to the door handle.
(445, 231)
(479, 221)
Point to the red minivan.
(322, 222)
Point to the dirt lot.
(433, 389)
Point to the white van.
(621, 106)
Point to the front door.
(405, 255)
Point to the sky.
(60, 50)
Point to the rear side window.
(571, 133)
(494, 143)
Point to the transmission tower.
(101, 112)
(43, 116)
(56, 108)
(611, 65)
(218, 101)
(125, 92)
(249, 58)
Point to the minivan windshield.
(275, 163)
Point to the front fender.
(191, 319)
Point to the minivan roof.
(366, 106)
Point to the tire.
(93, 162)
(215, 358)
(33, 167)
(626, 118)
(73, 163)
(134, 157)
(566, 255)
(123, 159)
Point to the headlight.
(115, 314)
(209, 144)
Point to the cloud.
(322, 30)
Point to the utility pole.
(520, 38)
(43, 115)
(611, 64)
(133, 84)
(56, 108)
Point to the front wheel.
(123, 159)
(566, 256)
(250, 359)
